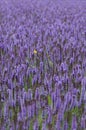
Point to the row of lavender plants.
(42, 65)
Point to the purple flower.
(65, 125)
(44, 126)
(58, 125)
(29, 94)
(23, 111)
(36, 126)
(37, 94)
(74, 123)
(83, 121)
(29, 111)
(58, 103)
(19, 116)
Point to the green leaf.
(50, 63)
(49, 100)
(53, 122)
(26, 87)
(31, 125)
(75, 111)
(7, 127)
(30, 81)
(40, 119)
(68, 116)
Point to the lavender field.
(42, 65)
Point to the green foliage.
(40, 120)
(26, 87)
(3, 108)
(31, 125)
(53, 121)
(75, 111)
(50, 63)
(68, 115)
(30, 81)
(7, 127)
(49, 100)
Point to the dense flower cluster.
(42, 65)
